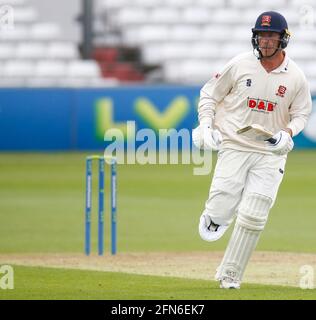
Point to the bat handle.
(272, 140)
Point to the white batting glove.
(204, 137)
(283, 145)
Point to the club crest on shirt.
(281, 91)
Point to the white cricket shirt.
(244, 93)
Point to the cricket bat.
(257, 132)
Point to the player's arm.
(213, 92)
(289, 131)
(300, 109)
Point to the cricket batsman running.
(265, 88)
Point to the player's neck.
(274, 62)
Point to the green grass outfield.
(48, 283)
(42, 211)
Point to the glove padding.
(283, 145)
(204, 137)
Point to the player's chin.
(267, 53)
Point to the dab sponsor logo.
(257, 104)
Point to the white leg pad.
(251, 219)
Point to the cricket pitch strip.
(273, 268)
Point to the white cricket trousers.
(238, 173)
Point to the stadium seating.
(35, 53)
(187, 40)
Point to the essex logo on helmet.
(266, 21)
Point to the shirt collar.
(284, 65)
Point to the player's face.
(268, 42)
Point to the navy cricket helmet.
(274, 22)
